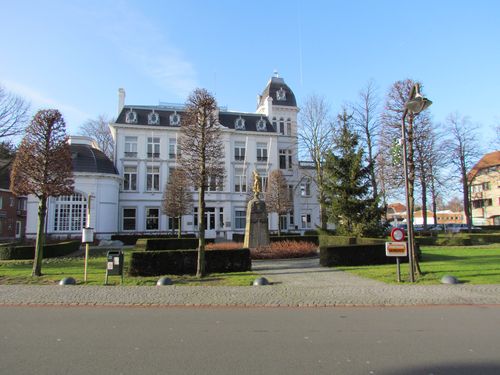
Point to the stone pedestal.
(257, 229)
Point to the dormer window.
(281, 94)
(239, 124)
(175, 119)
(131, 117)
(153, 118)
(261, 125)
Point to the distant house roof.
(85, 158)
(397, 207)
(489, 160)
(275, 87)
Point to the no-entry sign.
(397, 234)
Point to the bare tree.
(98, 130)
(277, 196)
(367, 122)
(13, 114)
(463, 151)
(202, 155)
(43, 167)
(315, 139)
(177, 198)
(455, 204)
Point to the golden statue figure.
(256, 183)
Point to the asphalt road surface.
(125, 340)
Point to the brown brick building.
(12, 208)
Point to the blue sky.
(74, 55)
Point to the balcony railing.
(130, 154)
(153, 155)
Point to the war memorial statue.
(257, 229)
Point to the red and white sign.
(397, 234)
(396, 249)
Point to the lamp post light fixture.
(416, 103)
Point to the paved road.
(403, 340)
(296, 283)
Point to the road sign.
(396, 249)
(397, 234)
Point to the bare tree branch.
(13, 114)
(98, 130)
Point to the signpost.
(397, 248)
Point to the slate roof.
(273, 86)
(90, 160)
(227, 119)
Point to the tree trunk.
(424, 201)
(467, 211)
(40, 238)
(200, 268)
(321, 195)
(179, 226)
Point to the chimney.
(121, 99)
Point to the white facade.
(145, 153)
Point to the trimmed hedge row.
(182, 262)
(159, 244)
(356, 255)
(131, 239)
(347, 240)
(10, 251)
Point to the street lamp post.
(415, 104)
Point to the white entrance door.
(210, 222)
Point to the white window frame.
(239, 151)
(262, 155)
(70, 213)
(129, 218)
(172, 148)
(131, 117)
(240, 218)
(153, 118)
(130, 147)
(153, 147)
(175, 119)
(239, 123)
(261, 125)
(132, 172)
(148, 217)
(152, 178)
(240, 180)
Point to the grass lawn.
(53, 270)
(470, 264)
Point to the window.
(173, 223)
(175, 119)
(153, 147)
(285, 159)
(129, 218)
(274, 123)
(131, 117)
(129, 178)
(282, 126)
(281, 94)
(240, 218)
(12, 201)
(288, 126)
(240, 181)
(173, 152)
(239, 151)
(283, 222)
(262, 152)
(70, 213)
(131, 147)
(18, 229)
(153, 179)
(290, 192)
(213, 184)
(239, 124)
(305, 187)
(263, 180)
(153, 118)
(306, 221)
(152, 218)
(22, 204)
(261, 125)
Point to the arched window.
(261, 124)
(175, 119)
(153, 118)
(131, 117)
(70, 213)
(239, 123)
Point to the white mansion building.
(127, 197)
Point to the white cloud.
(73, 116)
(145, 46)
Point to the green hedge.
(182, 262)
(10, 251)
(459, 239)
(131, 239)
(355, 255)
(159, 244)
